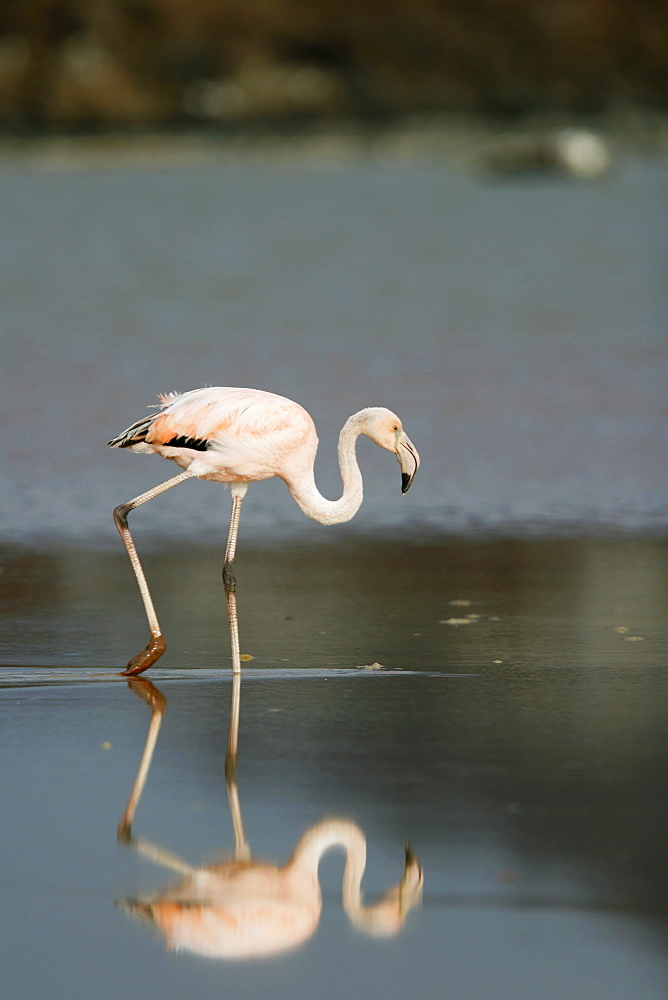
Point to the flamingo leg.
(229, 581)
(156, 644)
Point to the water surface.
(522, 756)
(476, 668)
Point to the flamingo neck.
(309, 499)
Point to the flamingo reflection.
(242, 908)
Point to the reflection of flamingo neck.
(319, 839)
(380, 919)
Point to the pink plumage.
(230, 435)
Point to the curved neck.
(379, 919)
(334, 833)
(309, 499)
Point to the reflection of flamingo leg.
(233, 732)
(156, 702)
(241, 848)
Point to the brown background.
(110, 63)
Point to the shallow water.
(477, 668)
(522, 756)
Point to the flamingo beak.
(408, 459)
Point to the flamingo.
(239, 436)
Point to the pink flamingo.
(238, 436)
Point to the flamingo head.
(384, 427)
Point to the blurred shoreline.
(459, 140)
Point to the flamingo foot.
(151, 652)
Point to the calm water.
(476, 668)
(522, 755)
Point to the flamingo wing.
(225, 433)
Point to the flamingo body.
(226, 434)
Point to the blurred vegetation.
(133, 63)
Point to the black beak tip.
(406, 481)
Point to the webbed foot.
(151, 652)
